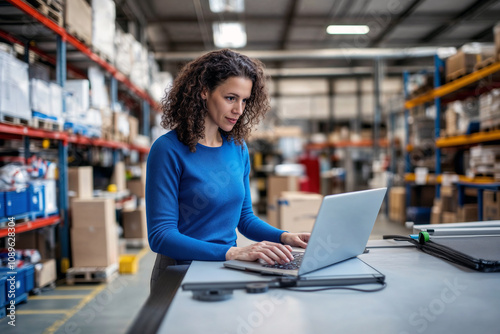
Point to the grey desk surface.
(423, 295)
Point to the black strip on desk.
(154, 310)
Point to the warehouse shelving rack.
(453, 90)
(8, 131)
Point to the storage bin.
(3, 290)
(36, 198)
(418, 215)
(29, 277)
(16, 202)
(20, 281)
(2, 205)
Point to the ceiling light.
(229, 35)
(220, 6)
(347, 29)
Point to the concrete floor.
(108, 308)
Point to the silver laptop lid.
(342, 228)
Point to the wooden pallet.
(456, 75)
(87, 40)
(484, 63)
(9, 119)
(91, 274)
(51, 9)
(46, 124)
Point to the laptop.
(341, 231)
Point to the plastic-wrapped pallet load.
(161, 84)
(56, 101)
(103, 28)
(77, 105)
(123, 51)
(14, 88)
(139, 74)
(40, 97)
(489, 107)
(99, 97)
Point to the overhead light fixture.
(229, 35)
(221, 6)
(348, 29)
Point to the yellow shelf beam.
(433, 179)
(453, 86)
(474, 138)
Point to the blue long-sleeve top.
(196, 200)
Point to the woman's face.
(227, 102)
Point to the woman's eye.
(230, 98)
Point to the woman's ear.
(204, 94)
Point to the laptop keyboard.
(292, 265)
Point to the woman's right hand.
(267, 251)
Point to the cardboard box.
(397, 204)
(81, 181)
(118, 177)
(137, 187)
(134, 128)
(45, 273)
(94, 246)
(95, 212)
(461, 61)
(423, 195)
(496, 30)
(468, 213)
(276, 185)
(78, 20)
(449, 217)
(298, 211)
(135, 224)
(436, 215)
(40, 239)
(491, 205)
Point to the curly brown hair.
(183, 107)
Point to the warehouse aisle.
(109, 308)
(104, 308)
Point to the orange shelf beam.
(453, 86)
(82, 48)
(31, 225)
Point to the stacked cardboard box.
(298, 210)
(484, 160)
(496, 31)
(119, 177)
(94, 237)
(275, 186)
(80, 183)
(491, 205)
(489, 109)
(466, 58)
(397, 204)
(135, 224)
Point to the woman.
(197, 188)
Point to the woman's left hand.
(295, 239)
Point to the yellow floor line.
(142, 253)
(57, 297)
(56, 325)
(79, 287)
(42, 312)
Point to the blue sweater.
(195, 201)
